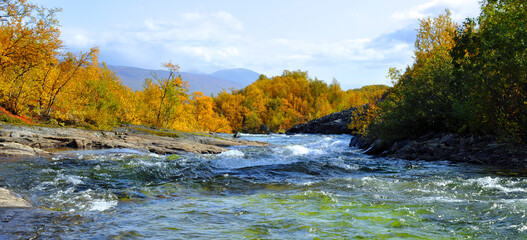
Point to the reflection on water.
(300, 187)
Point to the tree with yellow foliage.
(29, 38)
(160, 96)
(206, 118)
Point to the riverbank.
(18, 140)
(434, 146)
(483, 150)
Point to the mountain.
(239, 75)
(206, 83)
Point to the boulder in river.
(335, 123)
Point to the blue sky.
(354, 42)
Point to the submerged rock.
(34, 223)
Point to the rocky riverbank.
(35, 140)
(485, 150)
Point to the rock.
(447, 139)
(17, 149)
(360, 142)
(335, 123)
(30, 141)
(399, 145)
(8, 199)
(377, 147)
(486, 150)
(264, 128)
(237, 135)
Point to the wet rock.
(360, 142)
(485, 150)
(17, 149)
(377, 147)
(9, 199)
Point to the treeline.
(276, 104)
(42, 82)
(467, 79)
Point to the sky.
(354, 42)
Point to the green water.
(300, 187)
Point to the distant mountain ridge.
(239, 75)
(208, 84)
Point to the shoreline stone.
(481, 150)
(9, 199)
(35, 140)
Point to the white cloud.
(209, 54)
(209, 41)
(183, 27)
(78, 38)
(460, 9)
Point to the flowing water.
(300, 187)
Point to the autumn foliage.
(276, 104)
(42, 81)
(468, 79)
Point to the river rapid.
(299, 187)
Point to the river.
(300, 187)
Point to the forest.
(43, 83)
(467, 79)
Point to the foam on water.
(441, 199)
(63, 179)
(297, 150)
(496, 184)
(240, 158)
(329, 145)
(102, 205)
(90, 200)
(232, 154)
